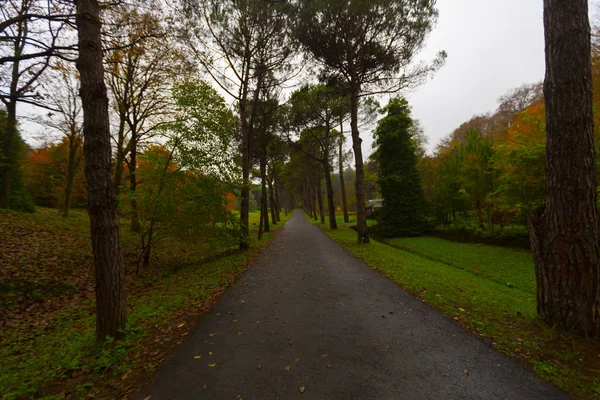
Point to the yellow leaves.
(197, 357)
(180, 325)
(461, 309)
(212, 365)
(288, 367)
(212, 334)
(301, 389)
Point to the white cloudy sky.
(493, 46)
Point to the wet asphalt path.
(309, 315)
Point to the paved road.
(345, 332)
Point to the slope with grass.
(491, 292)
(47, 305)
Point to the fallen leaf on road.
(466, 371)
(239, 333)
(258, 366)
(301, 389)
(147, 398)
(323, 355)
(288, 367)
(212, 334)
(212, 365)
(297, 359)
(197, 357)
(180, 325)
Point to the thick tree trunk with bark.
(102, 206)
(361, 210)
(135, 222)
(314, 203)
(120, 157)
(272, 203)
(330, 202)
(72, 164)
(277, 201)
(263, 225)
(564, 234)
(320, 199)
(341, 172)
(11, 133)
(245, 203)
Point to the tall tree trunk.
(330, 202)
(277, 201)
(265, 195)
(120, 157)
(361, 210)
(111, 311)
(314, 203)
(71, 168)
(9, 161)
(245, 203)
(320, 198)
(564, 233)
(135, 221)
(273, 204)
(341, 172)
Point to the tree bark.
(277, 201)
(135, 221)
(272, 203)
(361, 211)
(71, 169)
(109, 268)
(264, 194)
(564, 233)
(314, 203)
(320, 199)
(330, 202)
(120, 157)
(341, 172)
(11, 133)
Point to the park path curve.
(345, 332)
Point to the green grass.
(491, 292)
(47, 348)
(511, 267)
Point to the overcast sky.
(493, 46)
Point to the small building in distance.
(374, 207)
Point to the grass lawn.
(47, 347)
(491, 292)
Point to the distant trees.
(369, 45)
(403, 212)
(30, 37)
(315, 111)
(564, 233)
(61, 92)
(183, 184)
(250, 43)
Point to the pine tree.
(403, 212)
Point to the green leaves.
(202, 131)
